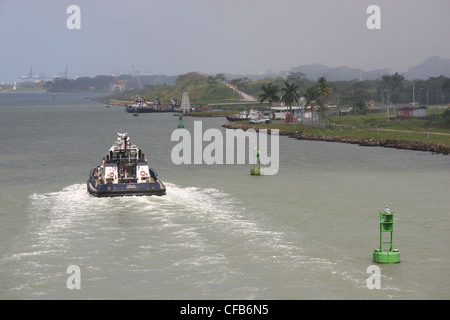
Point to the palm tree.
(269, 94)
(322, 86)
(323, 89)
(290, 95)
(312, 95)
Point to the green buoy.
(256, 170)
(180, 121)
(383, 255)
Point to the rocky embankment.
(398, 144)
(206, 115)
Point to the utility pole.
(388, 113)
(339, 110)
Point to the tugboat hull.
(235, 119)
(125, 189)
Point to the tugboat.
(140, 106)
(124, 172)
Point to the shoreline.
(397, 144)
(432, 147)
(205, 115)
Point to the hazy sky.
(211, 36)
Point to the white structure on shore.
(185, 105)
(281, 112)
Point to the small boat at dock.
(245, 115)
(140, 106)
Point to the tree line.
(389, 89)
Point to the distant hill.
(315, 71)
(433, 67)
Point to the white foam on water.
(202, 234)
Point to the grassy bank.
(371, 126)
(364, 137)
(379, 120)
(361, 133)
(371, 129)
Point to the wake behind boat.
(124, 172)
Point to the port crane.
(138, 79)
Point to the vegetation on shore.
(24, 87)
(363, 125)
(433, 91)
(364, 122)
(202, 90)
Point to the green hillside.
(201, 89)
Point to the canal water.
(307, 232)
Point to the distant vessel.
(124, 172)
(140, 106)
(246, 115)
(263, 120)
